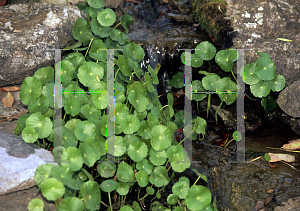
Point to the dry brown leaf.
(8, 100)
(292, 145)
(9, 89)
(278, 157)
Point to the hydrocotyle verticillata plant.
(147, 155)
(261, 76)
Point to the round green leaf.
(61, 173)
(267, 157)
(123, 65)
(29, 135)
(121, 111)
(119, 145)
(175, 153)
(88, 154)
(96, 3)
(159, 176)
(100, 99)
(84, 129)
(182, 57)
(71, 203)
(81, 31)
(48, 92)
(180, 166)
(269, 103)
(200, 125)
(89, 73)
(42, 172)
(145, 130)
(40, 105)
(52, 189)
(158, 195)
(97, 29)
(158, 158)
(265, 68)
(210, 82)
(98, 51)
(142, 178)
(248, 75)
(125, 173)
(205, 50)
(73, 158)
(42, 125)
(36, 205)
(277, 84)
(130, 124)
(135, 51)
(225, 89)
(126, 20)
(109, 185)
(30, 90)
(198, 198)
(91, 195)
(21, 123)
(172, 199)
(145, 165)
(72, 106)
(106, 169)
(181, 188)
(90, 111)
(67, 70)
(237, 136)
(137, 151)
(123, 188)
(161, 137)
(150, 190)
(178, 80)
(106, 17)
(260, 89)
(197, 87)
(126, 208)
(225, 59)
(44, 75)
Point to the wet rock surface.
(27, 31)
(289, 99)
(19, 161)
(257, 25)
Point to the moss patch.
(210, 15)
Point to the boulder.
(19, 161)
(289, 99)
(257, 25)
(27, 33)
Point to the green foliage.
(144, 143)
(261, 76)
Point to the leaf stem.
(117, 25)
(241, 87)
(186, 137)
(88, 47)
(109, 200)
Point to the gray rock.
(257, 26)
(19, 161)
(289, 99)
(181, 5)
(26, 32)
